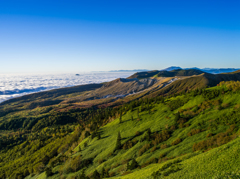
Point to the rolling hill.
(179, 72)
(183, 124)
(165, 73)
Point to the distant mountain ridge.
(219, 70)
(171, 68)
(179, 72)
(207, 70)
(163, 73)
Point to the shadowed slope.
(173, 73)
(196, 82)
(147, 74)
(178, 72)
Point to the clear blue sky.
(79, 36)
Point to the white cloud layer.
(18, 85)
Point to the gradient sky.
(79, 36)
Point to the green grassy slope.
(175, 136)
(162, 118)
(222, 162)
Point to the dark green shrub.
(215, 141)
(177, 141)
(133, 164)
(153, 149)
(194, 131)
(48, 171)
(144, 149)
(118, 142)
(96, 175)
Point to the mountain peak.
(172, 68)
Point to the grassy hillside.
(192, 131)
(217, 163)
(171, 136)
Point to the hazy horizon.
(110, 71)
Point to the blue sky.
(80, 36)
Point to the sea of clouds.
(12, 85)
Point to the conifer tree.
(148, 137)
(106, 174)
(119, 136)
(118, 143)
(177, 117)
(48, 171)
(96, 175)
(120, 119)
(128, 166)
(83, 175)
(99, 136)
(87, 133)
(93, 135)
(134, 164)
(102, 173)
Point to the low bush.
(153, 149)
(160, 137)
(216, 141)
(209, 135)
(163, 146)
(194, 131)
(177, 141)
(112, 174)
(144, 149)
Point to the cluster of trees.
(193, 132)
(160, 137)
(217, 140)
(129, 144)
(174, 104)
(231, 85)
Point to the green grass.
(161, 119)
(217, 161)
(221, 160)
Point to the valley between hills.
(182, 123)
